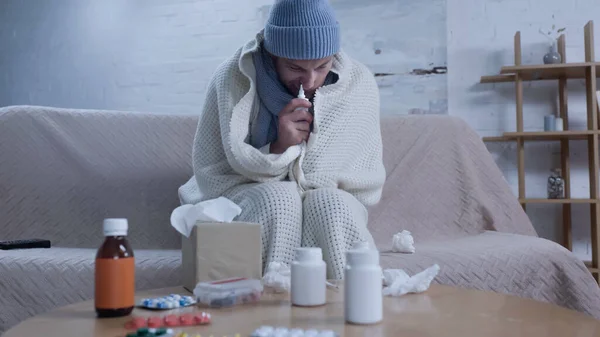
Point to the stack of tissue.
(183, 218)
(397, 282)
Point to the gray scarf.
(273, 96)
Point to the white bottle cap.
(356, 257)
(115, 227)
(305, 254)
(301, 92)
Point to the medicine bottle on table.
(114, 272)
(309, 277)
(363, 292)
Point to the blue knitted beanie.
(302, 30)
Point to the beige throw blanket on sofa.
(343, 156)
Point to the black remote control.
(24, 244)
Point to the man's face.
(311, 73)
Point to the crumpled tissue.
(277, 277)
(397, 282)
(184, 217)
(403, 242)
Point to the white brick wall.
(480, 41)
(157, 55)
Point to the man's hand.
(294, 125)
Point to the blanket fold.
(344, 150)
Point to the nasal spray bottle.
(301, 95)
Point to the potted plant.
(552, 56)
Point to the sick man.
(305, 169)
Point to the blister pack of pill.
(152, 332)
(167, 302)
(169, 321)
(269, 331)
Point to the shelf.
(550, 135)
(497, 139)
(550, 71)
(497, 78)
(538, 72)
(557, 201)
(542, 135)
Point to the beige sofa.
(62, 171)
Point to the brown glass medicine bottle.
(114, 272)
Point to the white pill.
(311, 333)
(266, 328)
(296, 333)
(327, 333)
(261, 333)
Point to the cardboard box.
(218, 250)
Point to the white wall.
(157, 56)
(480, 41)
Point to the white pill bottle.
(363, 295)
(309, 277)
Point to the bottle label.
(115, 283)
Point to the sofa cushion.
(64, 170)
(33, 281)
(520, 265)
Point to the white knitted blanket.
(344, 151)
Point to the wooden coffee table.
(441, 311)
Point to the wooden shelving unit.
(588, 70)
(557, 201)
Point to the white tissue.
(278, 277)
(403, 242)
(183, 218)
(397, 282)
(360, 245)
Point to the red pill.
(171, 320)
(140, 320)
(186, 319)
(154, 322)
(204, 318)
(200, 318)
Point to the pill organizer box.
(228, 292)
